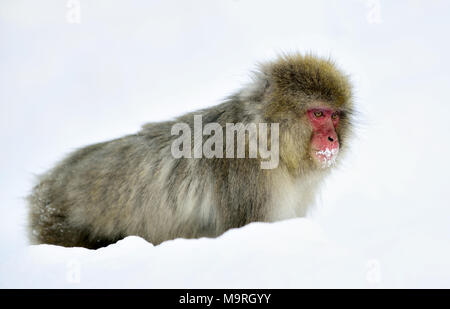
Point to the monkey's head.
(312, 101)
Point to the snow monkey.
(136, 185)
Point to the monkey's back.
(128, 186)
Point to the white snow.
(327, 157)
(382, 219)
(295, 253)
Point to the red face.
(324, 140)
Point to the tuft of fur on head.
(286, 88)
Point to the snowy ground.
(382, 219)
(292, 254)
(240, 258)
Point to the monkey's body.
(134, 186)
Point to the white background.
(64, 85)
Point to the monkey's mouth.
(325, 157)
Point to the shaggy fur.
(133, 185)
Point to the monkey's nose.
(330, 139)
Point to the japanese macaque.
(135, 185)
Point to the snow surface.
(293, 254)
(240, 258)
(382, 219)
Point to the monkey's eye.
(335, 115)
(318, 114)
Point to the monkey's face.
(312, 101)
(324, 147)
